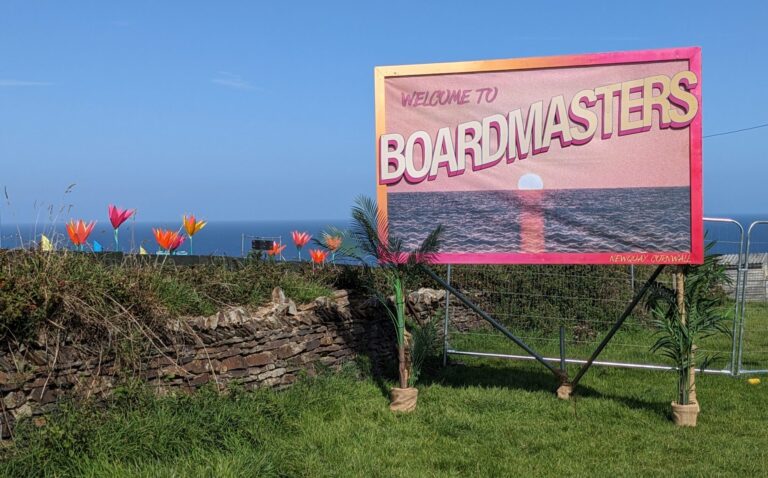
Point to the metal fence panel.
(536, 303)
(753, 340)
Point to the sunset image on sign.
(572, 159)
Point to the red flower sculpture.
(300, 239)
(318, 255)
(117, 217)
(275, 250)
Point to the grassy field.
(475, 418)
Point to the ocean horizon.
(220, 238)
(232, 237)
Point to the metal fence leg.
(562, 351)
(447, 318)
(738, 317)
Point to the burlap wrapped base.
(564, 391)
(403, 399)
(685, 415)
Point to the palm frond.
(365, 230)
(428, 248)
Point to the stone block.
(271, 374)
(200, 380)
(312, 345)
(14, 399)
(289, 350)
(235, 362)
(272, 345)
(327, 360)
(197, 366)
(259, 359)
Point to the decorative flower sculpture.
(333, 243)
(193, 226)
(318, 256)
(79, 232)
(300, 239)
(168, 240)
(117, 217)
(275, 250)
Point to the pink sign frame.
(692, 55)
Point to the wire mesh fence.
(563, 312)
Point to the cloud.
(20, 83)
(232, 80)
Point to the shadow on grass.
(461, 374)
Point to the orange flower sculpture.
(300, 239)
(333, 243)
(193, 226)
(168, 240)
(79, 231)
(318, 256)
(275, 250)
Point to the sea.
(473, 218)
(220, 238)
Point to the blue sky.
(256, 110)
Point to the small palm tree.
(703, 313)
(374, 245)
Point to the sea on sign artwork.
(579, 159)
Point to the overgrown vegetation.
(88, 296)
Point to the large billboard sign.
(579, 159)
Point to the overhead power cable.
(736, 131)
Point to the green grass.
(755, 355)
(631, 344)
(478, 418)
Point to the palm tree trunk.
(688, 375)
(692, 377)
(402, 366)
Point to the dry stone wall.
(268, 347)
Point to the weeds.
(97, 302)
